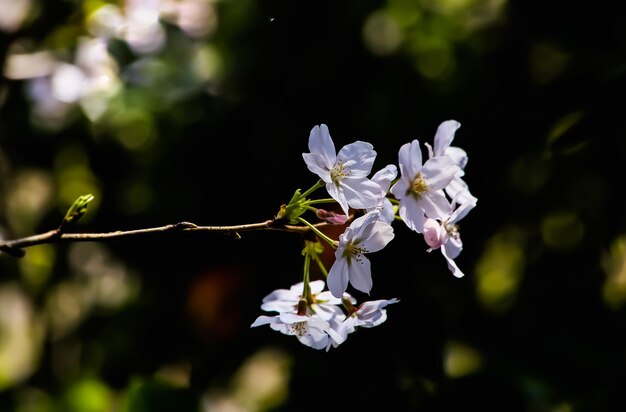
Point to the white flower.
(370, 314)
(345, 173)
(364, 235)
(384, 177)
(445, 235)
(366, 315)
(311, 330)
(457, 189)
(314, 323)
(420, 186)
(286, 300)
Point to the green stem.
(321, 265)
(317, 201)
(306, 289)
(311, 208)
(313, 188)
(318, 232)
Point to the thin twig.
(15, 247)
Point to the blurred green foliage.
(199, 110)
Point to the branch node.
(185, 225)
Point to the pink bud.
(331, 217)
(434, 234)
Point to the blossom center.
(452, 229)
(338, 173)
(418, 186)
(354, 251)
(299, 329)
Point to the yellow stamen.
(418, 186)
(338, 173)
(299, 328)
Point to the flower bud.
(434, 234)
(331, 217)
(77, 210)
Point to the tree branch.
(15, 247)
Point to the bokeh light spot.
(460, 359)
(381, 33)
(614, 265)
(89, 396)
(21, 335)
(562, 230)
(37, 265)
(500, 269)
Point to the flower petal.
(362, 226)
(458, 190)
(399, 189)
(372, 313)
(439, 171)
(453, 246)
(435, 205)
(358, 158)
(316, 164)
(458, 156)
(461, 211)
(386, 210)
(444, 136)
(379, 236)
(338, 277)
(315, 339)
(264, 320)
(321, 143)
(412, 214)
(451, 264)
(410, 159)
(337, 193)
(367, 309)
(361, 274)
(361, 193)
(290, 318)
(316, 286)
(328, 311)
(385, 176)
(283, 294)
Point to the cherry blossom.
(322, 302)
(420, 188)
(457, 189)
(445, 235)
(314, 322)
(345, 173)
(367, 315)
(365, 234)
(311, 330)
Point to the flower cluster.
(430, 197)
(316, 317)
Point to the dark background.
(538, 90)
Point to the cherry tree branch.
(15, 247)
